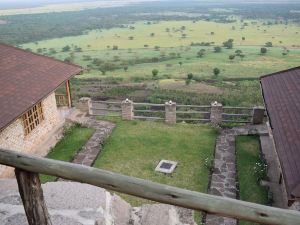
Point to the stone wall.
(13, 136)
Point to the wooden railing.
(237, 114)
(186, 113)
(28, 167)
(193, 113)
(104, 108)
(148, 111)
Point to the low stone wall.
(13, 137)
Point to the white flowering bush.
(260, 170)
(208, 162)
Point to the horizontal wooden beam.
(192, 112)
(147, 104)
(150, 190)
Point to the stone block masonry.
(170, 108)
(216, 113)
(258, 114)
(13, 137)
(127, 110)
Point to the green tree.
(190, 76)
(125, 68)
(238, 52)
(201, 53)
(269, 44)
(66, 48)
(263, 50)
(231, 57)
(216, 71)
(154, 73)
(228, 44)
(217, 49)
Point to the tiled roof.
(281, 93)
(26, 78)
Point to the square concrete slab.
(166, 166)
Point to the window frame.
(32, 118)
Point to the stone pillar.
(84, 104)
(127, 110)
(216, 113)
(170, 108)
(258, 114)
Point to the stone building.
(281, 92)
(29, 115)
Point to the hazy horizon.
(11, 4)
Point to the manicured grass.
(136, 147)
(65, 150)
(247, 148)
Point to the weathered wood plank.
(150, 190)
(32, 197)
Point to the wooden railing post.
(32, 196)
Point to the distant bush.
(263, 50)
(269, 44)
(217, 49)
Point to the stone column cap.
(127, 101)
(170, 103)
(84, 99)
(215, 103)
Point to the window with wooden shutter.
(32, 118)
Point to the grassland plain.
(99, 43)
(135, 148)
(200, 31)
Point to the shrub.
(154, 73)
(190, 76)
(216, 71)
(263, 50)
(269, 44)
(217, 49)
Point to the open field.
(200, 31)
(173, 49)
(135, 148)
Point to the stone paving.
(91, 149)
(89, 152)
(223, 179)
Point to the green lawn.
(247, 148)
(136, 147)
(65, 150)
